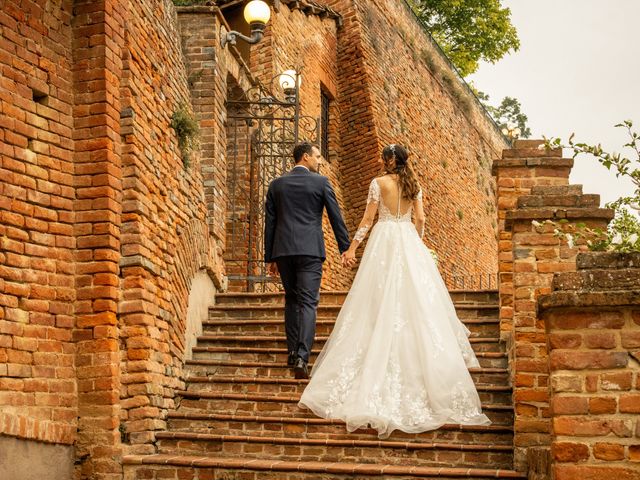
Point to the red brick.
(571, 360)
(594, 472)
(569, 452)
(562, 405)
(629, 403)
(608, 451)
(600, 405)
(616, 381)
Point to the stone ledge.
(531, 151)
(206, 8)
(607, 260)
(556, 190)
(598, 279)
(531, 162)
(605, 298)
(559, 200)
(550, 213)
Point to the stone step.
(484, 327)
(304, 424)
(494, 376)
(559, 200)
(337, 297)
(443, 454)
(495, 394)
(159, 466)
(479, 344)
(266, 417)
(274, 311)
(279, 355)
(279, 398)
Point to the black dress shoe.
(291, 361)
(300, 370)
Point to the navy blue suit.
(294, 240)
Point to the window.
(324, 125)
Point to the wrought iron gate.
(262, 129)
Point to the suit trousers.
(300, 275)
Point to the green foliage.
(469, 30)
(623, 232)
(508, 114)
(187, 131)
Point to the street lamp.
(287, 82)
(257, 13)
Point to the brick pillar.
(534, 188)
(519, 170)
(97, 38)
(593, 322)
(207, 79)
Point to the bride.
(398, 355)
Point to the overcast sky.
(577, 70)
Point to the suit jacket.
(293, 216)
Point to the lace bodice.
(384, 212)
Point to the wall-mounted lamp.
(257, 13)
(287, 82)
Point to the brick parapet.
(593, 326)
(534, 189)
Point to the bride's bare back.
(390, 193)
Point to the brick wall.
(38, 393)
(102, 227)
(593, 324)
(165, 237)
(395, 87)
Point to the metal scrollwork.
(263, 125)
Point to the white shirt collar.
(302, 166)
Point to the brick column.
(537, 256)
(98, 33)
(593, 324)
(207, 78)
(517, 172)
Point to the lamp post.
(290, 82)
(256, 13)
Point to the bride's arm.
(418, 214)
(365, 224)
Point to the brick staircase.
(238, 418)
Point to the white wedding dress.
(398, 355)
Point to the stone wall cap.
(605, 298)
(559, 200)
(207, 8)
(607, 260)
(545, 161)
(598, 279)
(553, 213)
(556, 190)
(534, 152)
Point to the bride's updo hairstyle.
(396, 160)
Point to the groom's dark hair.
(300, 149)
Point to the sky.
(577, 71)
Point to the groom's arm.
(335, 217)
(269, 224)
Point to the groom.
(294, 246)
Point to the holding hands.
(349, 257)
